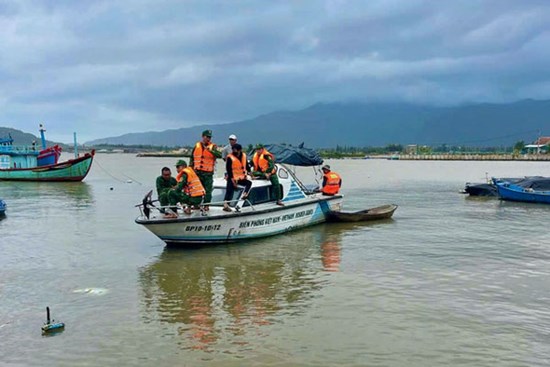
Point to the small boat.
(3, 208)
(480, 189)
(29, 164)
(489, 188)
(533, 191)
(254, 217)
(378, 213)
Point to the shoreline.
(462, 157)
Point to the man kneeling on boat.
(237, 168)
(165, 182)
(189, 189)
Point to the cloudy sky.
(104, 68)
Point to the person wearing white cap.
(229, 147)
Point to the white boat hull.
(249, 223)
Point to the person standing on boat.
(331, 181)
(237, 168)
(189, 189)
(203, 161)
(164, 183)
(264, 167)
(228, 149)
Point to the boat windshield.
(261, 194)
(218, 194)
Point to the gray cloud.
(105, 68)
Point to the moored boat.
(256, 216)
(489, 188)
(378, 213)
(3, 208)
(20, 163)
(532, 191)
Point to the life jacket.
(194, 186)
(238, 167)
(179, 175)
(332, 183)
(261, 163)
(203, 160)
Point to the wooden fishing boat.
(71, 170)
(21, 163)
(378, 213)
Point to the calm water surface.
(449, 281)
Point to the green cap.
(207, 133)
(181, 162)
(259, 146)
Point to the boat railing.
(169, 208)
(20, 149)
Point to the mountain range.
(326, 125)
(356, 124)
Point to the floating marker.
(51, 326)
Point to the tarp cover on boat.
(296, 156)
(535, 183)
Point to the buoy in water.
(51, 326)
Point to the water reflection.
(75, 194)
(229, 295)
(331, 252)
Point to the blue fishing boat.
(3, 207)
(533, 191)
(28, 163)
(489, 188)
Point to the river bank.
(463, 157)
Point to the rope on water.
(131, 178)
(113, 176)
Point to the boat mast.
(75, 146)
(42, 130)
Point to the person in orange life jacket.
(264, 167)
(331, 181)
(203, 161)
(189, 189)
(237, 168)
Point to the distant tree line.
(341, 151)
(352, 151)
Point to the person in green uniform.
(179, 195)
(164, 183)
(203, 161)
(264, 168)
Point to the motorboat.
(3, 208)
(257, 216)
